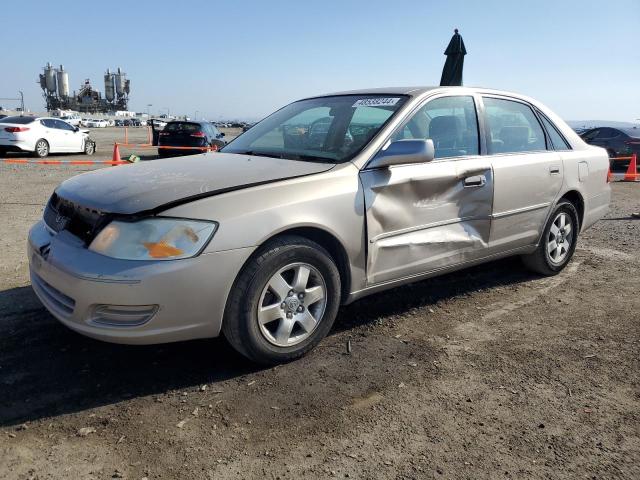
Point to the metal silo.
(50, 78)
(120, 80)
(63, 82)
(109, 87)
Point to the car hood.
(159, 184)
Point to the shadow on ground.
(47, 370)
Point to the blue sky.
(245, 59)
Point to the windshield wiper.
(257, 153)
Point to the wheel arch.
(330, 243)
(577, 200)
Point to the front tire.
(558, 241)
(89, 147)
(42, 148)
(284, 301)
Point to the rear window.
(21, 120)
(182, 127)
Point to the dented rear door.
(424, 217)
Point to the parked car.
(72, 120)
(157, 123)
(84, 122)
(179, 133)
(264, 240)
(96, 123)
(136, 122)
(619, 142)
(118, 123)
(41, 136)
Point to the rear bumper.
(131, 302)
(16, 145)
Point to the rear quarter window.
(557, 140)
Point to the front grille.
(52, 298)
(61, 214)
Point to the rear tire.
(42, 148)
(558, 242)
(283, 302)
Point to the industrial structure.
(55, 87)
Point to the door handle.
(475, 181)
(554, 170)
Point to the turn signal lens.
(162, 250)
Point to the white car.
(97, 123)
(43, 136)
(158, 124)
(72, 120)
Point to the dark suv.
(181, 133)
(619, 142)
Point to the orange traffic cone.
(632, 171)
(116, 153)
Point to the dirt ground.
(491, 372)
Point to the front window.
(329, 129)
(452, 124)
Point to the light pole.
(195, 117)
(149, 105)
(21, 99)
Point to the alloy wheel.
(560, 238)
(292, 304)
(42, 148)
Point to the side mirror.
(222, 134)
(75, 129)
(403, 152)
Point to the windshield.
(22, 120)
(330, 129)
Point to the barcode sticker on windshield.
(376, 102)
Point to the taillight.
(198, 134)
(633, 141)
(16, 129)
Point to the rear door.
(527, 172)
(425, 217)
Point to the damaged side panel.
(423, 217)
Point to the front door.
(527, 173)
(425, 217)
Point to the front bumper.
(134, 302)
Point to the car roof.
(416, 91)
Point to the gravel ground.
(487, 373)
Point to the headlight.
(153, 239)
